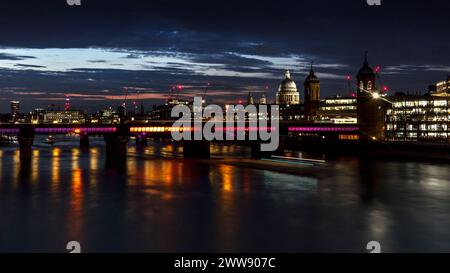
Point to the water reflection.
(160, 202)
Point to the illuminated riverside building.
(418, 119)
(441, 89)
(15, 110)
(64, 117)
(338, 110)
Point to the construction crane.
(348, 78)
(124, 103)
(135, 101)
(204, 92)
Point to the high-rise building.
(287, 92)
(67, 104)
(15, 109)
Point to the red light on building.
(377, 69)
(67, 104)
(180, 87)
(385, 88)
(348, 78)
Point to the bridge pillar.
(26, 139)
(84, 140)
(256, 152)
(196, 149)
(116, 147)
(141, 139)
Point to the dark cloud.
(98, 61)
(29, 66)
(11, 57)
(408, 36)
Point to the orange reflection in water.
(226, 172)
(35, 166)
(55, 167)
(93, 164)
(75, 158)
(227, 216)
(16, 165)
(160, 177)
(75, 214)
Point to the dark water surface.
(160, 203)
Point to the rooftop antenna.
(206, 90)
(348, 78)
(124, 103)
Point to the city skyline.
(224, 135)
(159, 45)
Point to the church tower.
(366, 79)
(370, 107)
(312, 94)
(250, 99)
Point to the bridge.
(117, 136)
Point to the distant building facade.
(418, 119)
(64, 117)
(338, 110)
(441, 89)
(15, 110)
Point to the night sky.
(49, 49)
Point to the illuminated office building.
(64, 117)
(15, 109)
(441, 89)
(418, 119)
(338, 110)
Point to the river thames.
(159, 202)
